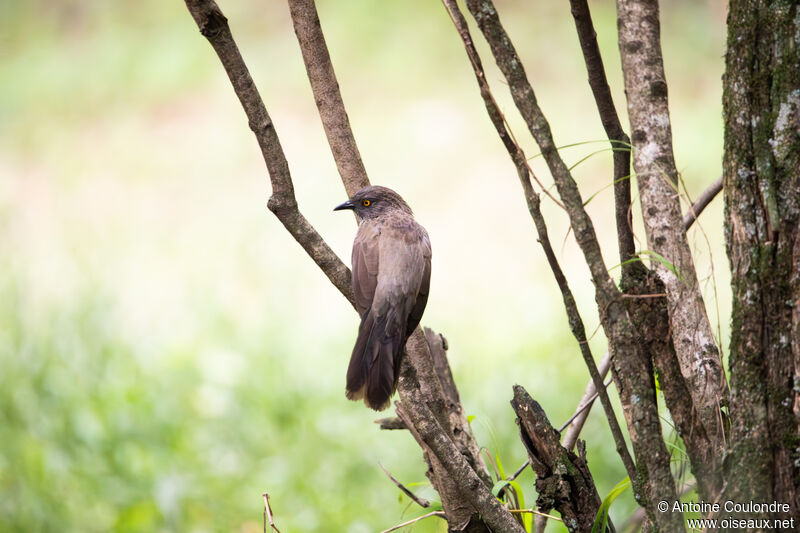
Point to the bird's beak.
(347, 205)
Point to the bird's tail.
(374, 364)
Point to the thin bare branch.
(268, 515)
(537, 513)
(578, 418)
(422, 502)
(414, 521)
(504, 131)
(578, 330)
(617, 137)
(701, 203)
(331, 108)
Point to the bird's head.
(374, 201)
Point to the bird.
(390, 279)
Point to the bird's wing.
(422, 296)
(366, 256)
(403, 267)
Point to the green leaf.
(500, 466)
(527, 518)
(669, 266)
(499, 486)
(601, 520)
(623, 178)
(584, 158)
(619, 145)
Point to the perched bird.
(391, 275)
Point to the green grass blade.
(601, 520)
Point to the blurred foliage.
(167, 353)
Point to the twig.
(701, 203)
(495, 115)
(390, 423)
(578, 412)
(576, 325)
(414, 521)
(422, 502)
(644, 296)
(537, 513)
(331, 108)
(519, 471)
(268, 515)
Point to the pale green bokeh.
(168, 353)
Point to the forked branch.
(432, 413)
(214, 27)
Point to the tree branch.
(632, 368)
(701, 203)
(563, 480)
(214, 27)
(327, 95)
(617, 137)
(657, 175)
(520, 162)
(585, 406)
(578, 330)
(422, 502)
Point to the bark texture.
(429, 407)
(631, 366)
(327, 96)
(563, 480)
(761, 171)
(654, 162)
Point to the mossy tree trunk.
(761, 104)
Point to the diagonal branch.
(422, 502)
(327, 95)
(701, 203)
(214, 26)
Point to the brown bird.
(391, 276)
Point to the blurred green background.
(168, 353)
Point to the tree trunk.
(761, 172)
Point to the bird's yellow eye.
(365, 203)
